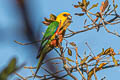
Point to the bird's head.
(61, 18)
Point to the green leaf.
(8, 70)
(69, 59)
(93, 6)
(69, 52)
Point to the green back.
(48, 34)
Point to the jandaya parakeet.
(53, 36)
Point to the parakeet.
(53, 36)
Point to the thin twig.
(91, 28)
(53, 59)
(90, 48)
(26, 43)
(57, 51)
(110, 31)
(77, 65)
(95, 75)
(30, 67)
(20, 76)
(64, 63)
(50, 73)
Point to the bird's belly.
(56, 42)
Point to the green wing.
(51, 29)
(44, 48)
(48, 34)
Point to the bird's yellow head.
(61, 18)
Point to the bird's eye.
(65, 15)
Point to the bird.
(53, 36)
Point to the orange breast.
(56, 42)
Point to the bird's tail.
(41, 56)
(39, 64)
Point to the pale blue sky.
(11, 25)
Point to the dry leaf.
(52, 17)
(73, 44)
(109, 51)
(114, 60)
(93, 6)
(116, 6)
(84, 2)
(46, 23)
(76, 6)
(104, 5)
(79, 14)
(69, 52)
(69, 59)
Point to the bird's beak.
(69, 17)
